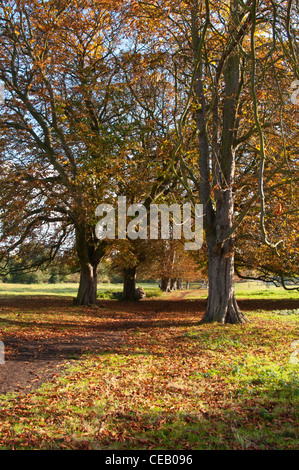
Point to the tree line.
(160, 102)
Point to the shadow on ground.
(32, 361)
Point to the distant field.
(262, 290)
(251, 290)
(65, 289)
(61, 289)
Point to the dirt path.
(33, 362)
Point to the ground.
(30, 361)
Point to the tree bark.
(87, 293)
(165, 284)
(90, 253)
(222, 305)
(129, 287)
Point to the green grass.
(259, 290)
(68, 289)
(251, 290)
(247, 290)
(61, 289)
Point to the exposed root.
(225, 313)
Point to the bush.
(55, 278)
(109, 295)
(24, 278)
(153, 292)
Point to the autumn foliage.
(174, 101)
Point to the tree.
(207, 77)
(84, 121)
(62, 126)
(152, 146)
(257, 260)
(228, 55)
(169, 262)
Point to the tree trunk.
(165, 284)
(173, 284)
(87, 293)
(217, 173)
(129, 288)
(90, 253)
(222, 305)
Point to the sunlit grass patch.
(250, 290)
(68, 289)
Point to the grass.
(251, 290)
(179, 386)
(247, 290)
(68, 289)
(61, 289)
